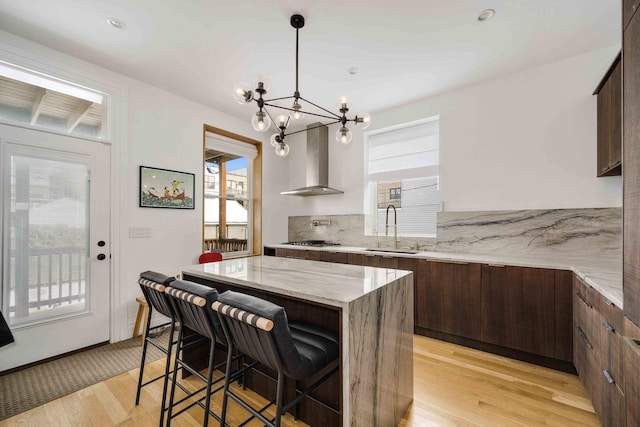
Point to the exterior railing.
(235, 245)
(55, 276)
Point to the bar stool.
(260, 330)
(191, 303)
(153, 285)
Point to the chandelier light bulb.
(266, 83)
(275, 140)
(297, 113)
(344, 103)
(363, 120)
(344, 135)
(281, 121)
(282, 149)
(261, 121)
(242, 93)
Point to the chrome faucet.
(395, 225)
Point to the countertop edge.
(609, 286)
(195, 270)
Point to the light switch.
(136, 232)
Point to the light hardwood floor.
(453, 386)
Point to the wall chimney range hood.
(317, 164)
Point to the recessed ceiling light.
(353, 70)
(116, 23)
(487, 14)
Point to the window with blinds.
(402, 170)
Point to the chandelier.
(262, 119)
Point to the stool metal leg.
(209, 380)
(227, 381)
(175, 375)
(279, 392)
(167, 365)
(143, 359)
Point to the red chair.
(210, 257)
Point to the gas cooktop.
(317, 243)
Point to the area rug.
(37, 385)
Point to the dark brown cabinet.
(598, 350)
(631, 169)
(631, 360)
(629, 8)
(609, 93)
(563, 291)
(291, 253)
(515, 311)
(518, 310)
(447, 298)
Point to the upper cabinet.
(609, 93)
(629, 7)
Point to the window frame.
(255, 213)
(12, 71)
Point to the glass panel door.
(48, 237)
(55, 253)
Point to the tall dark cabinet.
(631, 206)
(631, 168)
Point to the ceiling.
(404, 50)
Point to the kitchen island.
(371, 309)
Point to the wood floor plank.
(74, 410)
(453, 386)
(56, 414)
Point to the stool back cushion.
(209, 257)
(286, 354)
(194, 314)
(153, 285)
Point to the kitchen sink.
(395, 251)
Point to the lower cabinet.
(542, 312)
(447, 298)
(598, 350)
(518, 309)
(631, 359)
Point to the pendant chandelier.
(262, 119)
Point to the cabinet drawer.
(615, 363)
(611, 313)
(632, 374)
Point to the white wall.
(153, 128)
(523, 141)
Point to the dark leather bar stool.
(153, 285)
(192, 305)
(260, 330)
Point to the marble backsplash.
(568, 232)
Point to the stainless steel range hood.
(317, 164)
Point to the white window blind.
(405, 157)
(408, 152)
(231, 146)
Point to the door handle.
(101, 257)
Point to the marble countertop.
(327, 283)
(604, 275)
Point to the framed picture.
(164, 188)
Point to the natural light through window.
(402, 170)
(33, 99)
(228, 203)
